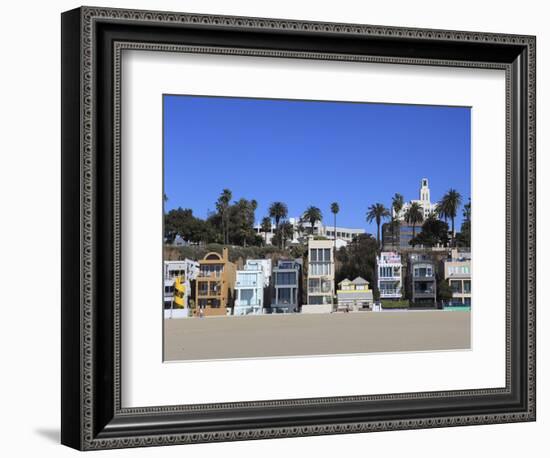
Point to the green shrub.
(399, 304)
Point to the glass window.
(284, 295)
(467, 286)
(313, 254)
(203, 287)
(327, 254)
(246, 296)
(456, 286)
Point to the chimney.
(225, 254)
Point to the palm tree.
(397, 205)
(467, 211)
(278, 211)
(265, 227)
(334, 208)
(312, 215)
(414, 215)
(286, 231)
(222, 204)
(448, 207)
(377, 212)
(300, 229)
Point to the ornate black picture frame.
(92, 415)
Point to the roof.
(345, 280)
(360, 281)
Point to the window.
(456, 286)
(285, 278)
(246, 296)
(247, 279)
(203, 288)
(320, 268)
(314, 285)
(423, 271)
(385, 272)
(467, 286)
(215, 288)
(284, 295)
(313, 254)
(327, 254)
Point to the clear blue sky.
(311, 153)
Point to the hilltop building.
(423, 200)
(344, 235)
(215, 284)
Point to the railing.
(390, 292)
(318, 291)
(210, 274)
(423, 292)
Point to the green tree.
(444, 291)
(240, 227)
(397, 205)
(463, 238)
(278, 211)
(434, 232)
(300, 229)
(181, 221)
(448, 207)
(313, 215)
(286, 232)
(414, 216)
(334, 209)
(265, 227)
(377, 212)
(222, 205)
(358, 259)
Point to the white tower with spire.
(424, 201)
(424, 191)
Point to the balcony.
(209, 275)
(390, 292)
(424, 293)
(319, 290)
(423, 275)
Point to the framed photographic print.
(277, 228)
